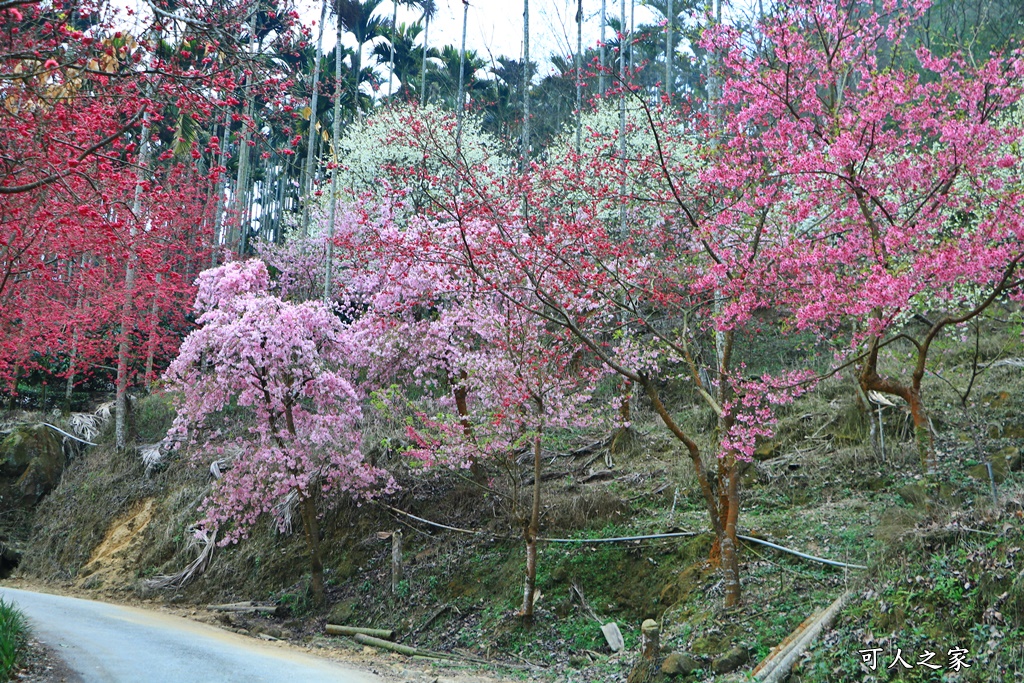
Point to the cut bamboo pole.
(388, 645)
(783, 663)
(784, 646)
(246, 607)
(338, 630)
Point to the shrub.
(14, 632)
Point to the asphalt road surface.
(107, 643)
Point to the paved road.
(107, 643)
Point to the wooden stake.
(650, 640)
(396, 560)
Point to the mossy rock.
(34, 455)
(343, 612)
(712, 645)
(749, 476)
(734, 658)
(678, 664)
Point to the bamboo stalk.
(338, 630)
(387, 645)
(777, 672)
(245, 607)
(784, 647)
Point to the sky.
(495, 27)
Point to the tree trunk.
(154, 321)
(461, 395)
(218, 218)
(729, 543)
(394, 35)
(460, 103)
(622, 121)
(923, 434)
(532, 531)
(603, 50)
(526, 88)
(694, 452)
(625, 439)
(336, 141)
(235, 240)
(579, 77)
(870, 380)
(73, 360)
(396, 560)
(669, 79)
(423, 65)
(121, 395)
(311, 526)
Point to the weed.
(14, 632)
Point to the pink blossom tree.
(866, 196)
(269, 377)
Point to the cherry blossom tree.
(862, 195)
(270, 378)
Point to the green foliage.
(14, 631)
(153, 417)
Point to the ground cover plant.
(14, 632)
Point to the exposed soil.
(114, 560)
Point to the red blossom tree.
(873, 203)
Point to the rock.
(710, 644)
(9, 560)
(733, 659)
(749, 476)
(613, 635)
(35, 456)
(563, 608)
(341, 613)
(677, 664)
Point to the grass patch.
(14, 631)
